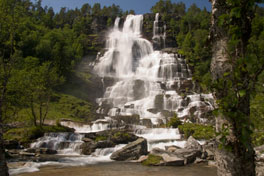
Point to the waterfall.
(148, 81)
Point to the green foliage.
(198, 131)
(61, 106)
(166, 7)
(174, 122)
(152, 160)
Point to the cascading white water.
(63, 143)
(95, 126)
(141, 71)
(161, 137)
(159, 33)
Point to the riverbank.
(124, 169)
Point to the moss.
(153, 160)
(122, 135)
(198, 131)
(100, 138)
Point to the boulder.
(170, 160)
(189, 155)
(88, 148)
(131, 151)
(186, 156)
(192, 144)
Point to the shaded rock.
(147, 123)
(158, 102)
(105, 144)
(11, 144)
(131, 151)
(185, 102)
(139, 85)
(87, 148)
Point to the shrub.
(198, 131)
(174, 122)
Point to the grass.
(198, 131)
(153, 160)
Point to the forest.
(41, 52)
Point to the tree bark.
(239, 161)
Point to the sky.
(139, 6)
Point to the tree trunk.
(3, 166)
(239, 160)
